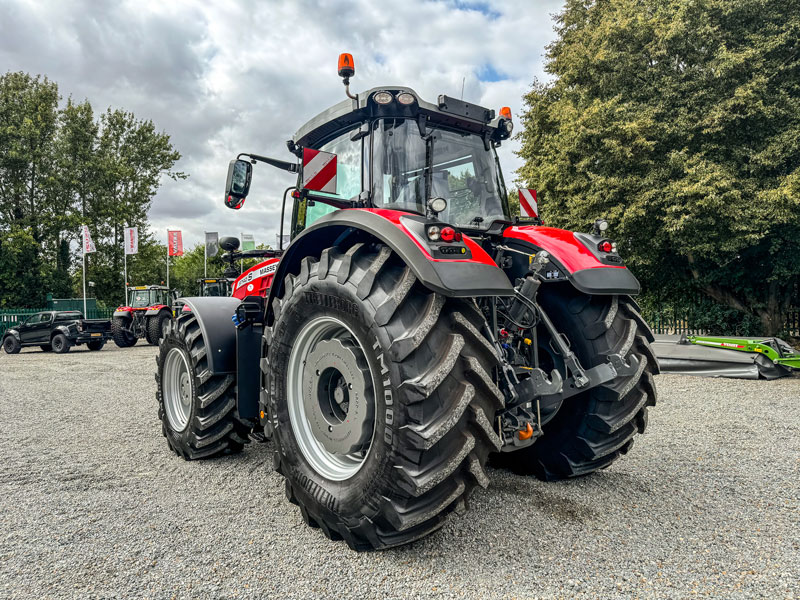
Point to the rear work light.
(382, 97)
(405, 98)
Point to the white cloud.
(227, 77)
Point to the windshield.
(144, 298)
(216, 288)
(408, 169)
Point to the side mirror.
(240, 172)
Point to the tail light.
(607, 246)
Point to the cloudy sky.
(225, 77)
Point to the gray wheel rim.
(330, 398)
(176, 389)
(57, 345)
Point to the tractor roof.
(449, 112)
(148, 287)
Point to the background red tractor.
(146, 315)
(411, 329)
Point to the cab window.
(348, 180)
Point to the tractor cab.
(220, 286)
(142, 297)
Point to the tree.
(679, 121)
(61, 167)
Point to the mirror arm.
(280, 164)
(335, 202)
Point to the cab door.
(36, 329)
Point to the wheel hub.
(176, 389)
(334, 396)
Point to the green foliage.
(678, 121)
(20, 269)
(61, 167)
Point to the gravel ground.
(92, 504)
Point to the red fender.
(588, 269)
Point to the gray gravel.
(92, 504)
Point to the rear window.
(68, 316)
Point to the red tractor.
(146, 315)
(411, 329)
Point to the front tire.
(593, 429)
(60, 344)
(121, 334)
(11, 345)
(425, 371)
(197, 409)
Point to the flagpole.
(84, 283)
(168, 260)
(125, 278)
(205, 255)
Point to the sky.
(227, 77)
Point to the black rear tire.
(433, 397)
(96, 345)
(120, 333)
(155, 327)
(593, 429)
(11, 345)
(214, 426)
(60, 343)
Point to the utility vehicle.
(411, 328)
(57, 331)
(146, 315)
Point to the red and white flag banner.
(131, 240)
(87, 243)
(175, 243)
(528, 202)
(319, 171)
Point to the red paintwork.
(260, 283)
(561, 244)
(129, 309)
(479, 255)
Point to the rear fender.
(572, 260)
(59, 329)
(123, 311)
(156, 309)
(476, 275)
(224, 343)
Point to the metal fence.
(670, 321)
(11, 316)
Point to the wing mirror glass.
(240, 172)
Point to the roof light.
(347, 68)
(509, 127)
(505, 112)
(406, 98)
(382, 97)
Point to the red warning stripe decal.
(319, 171)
